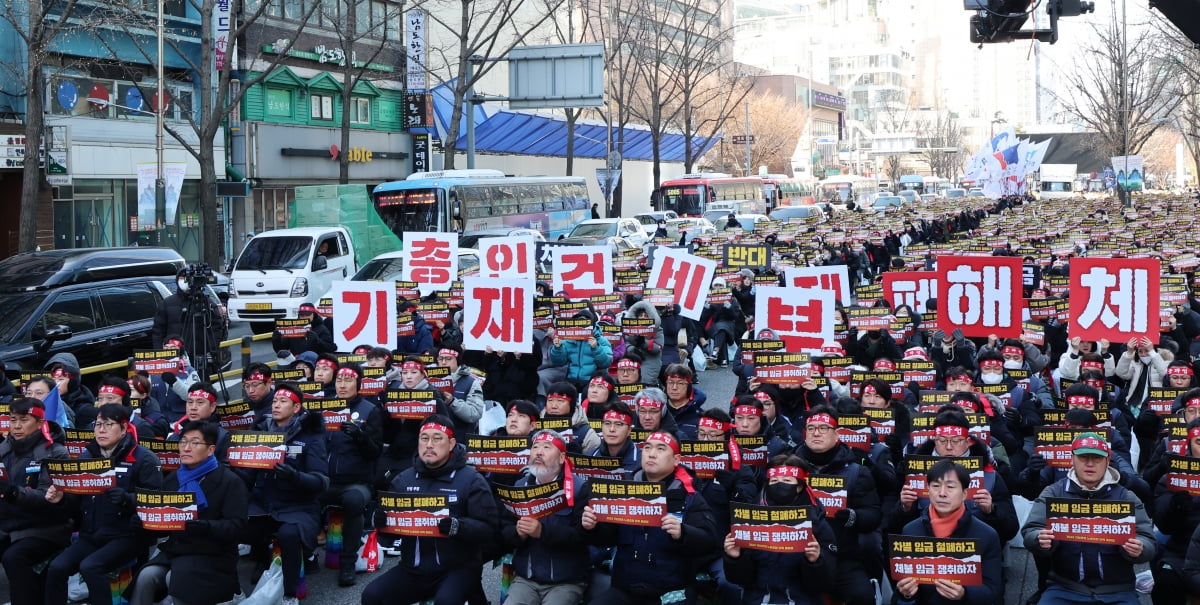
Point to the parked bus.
(846, 188)
(471, 200)
(695, 194)
(912, 182)
(782, 190)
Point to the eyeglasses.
(678, 383)
(108, 426)
(949, 441)
(191, 443)
(820, 429)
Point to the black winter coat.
(28, 515)
(137, 468)
(560, 555)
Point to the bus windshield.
(684, 200)
(838, 192)
(410, 210)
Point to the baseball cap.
(1090, 443)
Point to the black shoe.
(312, 565)
(346, 575)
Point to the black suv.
(96, 303)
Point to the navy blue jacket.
(787, 576)
(990, 549)
(354, 461)
(137, 468)
(560, 555)
(293, 500)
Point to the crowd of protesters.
(637, 400)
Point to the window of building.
(360, 111)
(322, 107)
(279, 103)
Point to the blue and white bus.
(464, 201)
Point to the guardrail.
(243, 342)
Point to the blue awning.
(499, 130)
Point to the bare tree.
(942, 144)
(39, 24)
(777, 125)
(486, 31)
(1120, 89)
(892, 168)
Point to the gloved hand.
(117, 495)
(1146, 423)
(353, 431)
(448, 526)
(169, 378)
(135, 522)
(958, 335)
(847, 516)
(198, 527)
(286, 471)
(1181, 501)
(939, 336)
(1036, 464)
(1014, 417)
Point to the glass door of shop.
(88, 221)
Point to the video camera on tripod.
(199, 317)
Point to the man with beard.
(28, 536)
(550, 558)
(650, 563)
(445, 568)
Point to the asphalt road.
(718, 384)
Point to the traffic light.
(1001, 20)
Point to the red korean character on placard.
(686, 275)
(503, 257)
(369, 312)
(582, 271)
(802, 318)
(1115, 299)
(910, 288)
(980, 294)
(834, 278)
(431, 258)
(498, 313)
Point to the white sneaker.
(290, 601)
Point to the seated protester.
(684, 401)
(881, 462)
(106, 542)
(722, 324)
(581, 358)
(29, 534)
(64, 370)
(1013, 354)
(1083, 395)
(306, 362)
(113, 389)
(1086, 573)
(1031, 357)
(421, 341)
(549, 555)
(466, 398)
(650, 405)
(801, 578)
(325, 373)
(1142, 366)
(202, 405)
(650, 347)
(447, 568)
(1177, 515)
(992, 503)
(875, 344)
(259, 388)
(947, 517)
(824, 452)
(562, 409)
(521, 419)
(1011, 416)
(511, 375)
(1188, 408)
(793, 401)
(629, 368)
(1180, 375)
(1119, 415)
(318, 338)
(39, 387)
(951, 350)
(777, 424)
(284, 500)
(741, 481)
(747, 413)
(1038, 473)
(170, 387)
(201, 560)
(614, 438)
(354, 451)
(147, 407)
(378, 357)
(905, 314)
(1082, 351)
(877, 394)
(652, 563)
(400, 435)
(599, 395)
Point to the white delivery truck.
(279, 270)
(1057, 181)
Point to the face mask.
(947, 347)
(780, 494)
(1012, 364)
(991, 378)
(1144, 359)
(183, 285)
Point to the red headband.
(649, 402)
(991, 363)
(1099, 365)
(259, 376)
(762, 396)
(1194, 401)
(665, 438)
(61, 373)
(950, 430)
(133, 385)
(293, 397)
(601, 381)
(328, 363)
(625, 364)
(114, 390)
(618, 416)
(784, 471)
(552, 438)
(1193, 432)
(885, 364)
(173, 341)
(448, 353)
(1179, 371)
(1097, 384)
(209, 397)
(1081, 400)
(962, 377)
(826, 418)
(434, 426)
(347, 372)
(568, 475)
(1011, 350)
(412, 365)
(712, 423)
(869, 390)
(36, 412)
(747, 410)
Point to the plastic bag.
(369, 555)
(698, 359)
(269, 590)
(493, 417)
(76, 589)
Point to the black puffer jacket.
(28, 515)
(137, 468)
